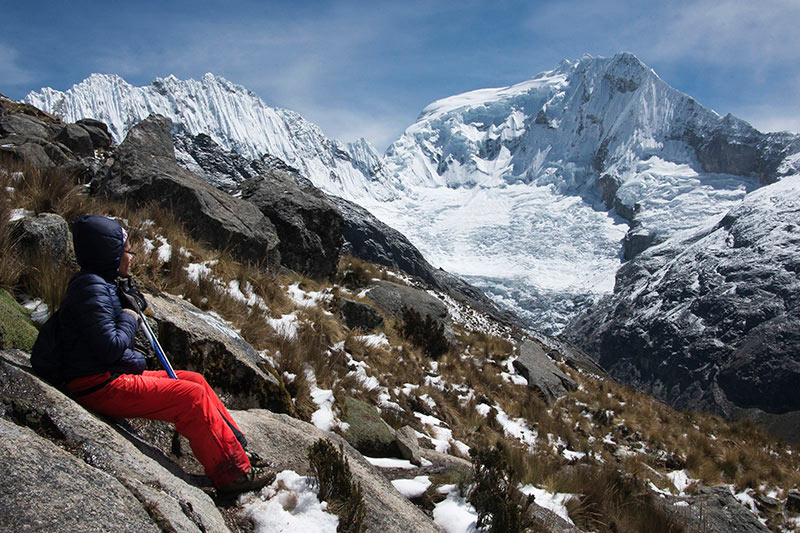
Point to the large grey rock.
(367, 432)
(193, 340)
(542, 374)
(145, 170)
(24, 126)
(309, 226)
(710, 319)
(714, 510)
(77, 139)
(284, 441)
(98, 132)
(47, 489)
(32, 153)
(28, 401)
(357, 315)
(47, 235)
(393, 297)
(409, 445)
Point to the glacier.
(536, 192)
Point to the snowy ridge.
(234, 117)
(528, 191)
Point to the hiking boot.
(257, 460)
(255, 479)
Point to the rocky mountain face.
(709, 319)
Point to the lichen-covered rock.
(16, 329)
(714, 510)
(145, 170)
(45, 235)
(27, 401)
(47, 489)
(194, 340)
(284, 441)
(542, 374)
(367, 432)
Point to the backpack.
(47, 356)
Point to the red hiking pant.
(188, 402)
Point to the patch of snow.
(18, 214)
(304, 298)
(570, 455)
(286, 326)
(375, 340)
(196, 270)
(390, 462)
(290, 504)
(40, 311)
(681, 480)
(554, 502)
(455, 515)
(412, 488)
(323, 417)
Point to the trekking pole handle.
(157, 347)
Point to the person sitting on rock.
(106, 375)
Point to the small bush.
(336, 485)
(427, 334)
(501, 507)
(355, 273)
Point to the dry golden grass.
(11, 267)
(50, 190)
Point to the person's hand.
(129, 297)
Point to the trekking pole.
(157, 347)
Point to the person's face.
(125, 262)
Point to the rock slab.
(542, 374)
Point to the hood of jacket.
(98, 243)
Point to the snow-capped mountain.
(536, 192)
(234, 117)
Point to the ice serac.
(710, 319)
(234, 117)
(539, 191)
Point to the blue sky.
(368, 68)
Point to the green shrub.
(336, 486)
(501, 507)
(427, 334)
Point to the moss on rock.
(16, 329)
(367, 432)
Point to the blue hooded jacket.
(96, 336)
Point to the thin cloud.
(731, 32)
(10, 71)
